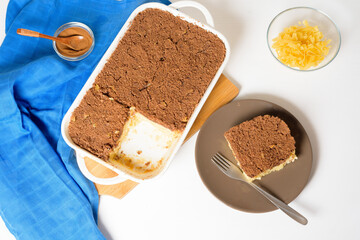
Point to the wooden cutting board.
(223, 92)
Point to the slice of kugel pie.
(261, 145)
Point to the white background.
(326, 102)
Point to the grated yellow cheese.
(301, 46)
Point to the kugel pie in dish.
(141, 101)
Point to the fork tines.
(221, 161)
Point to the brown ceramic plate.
(285, 184)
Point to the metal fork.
(233, 171)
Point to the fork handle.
(281, 205)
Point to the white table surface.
(326, 102)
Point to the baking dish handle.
(103, 181)
(196, 5)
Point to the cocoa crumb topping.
(162, 66)
(97, 123)
(261, 143)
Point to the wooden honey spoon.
(72, 42)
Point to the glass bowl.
(69, 25)
(293, 16)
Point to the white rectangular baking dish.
(81, 153)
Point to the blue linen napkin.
(43, 195)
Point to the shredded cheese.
(301, 46)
